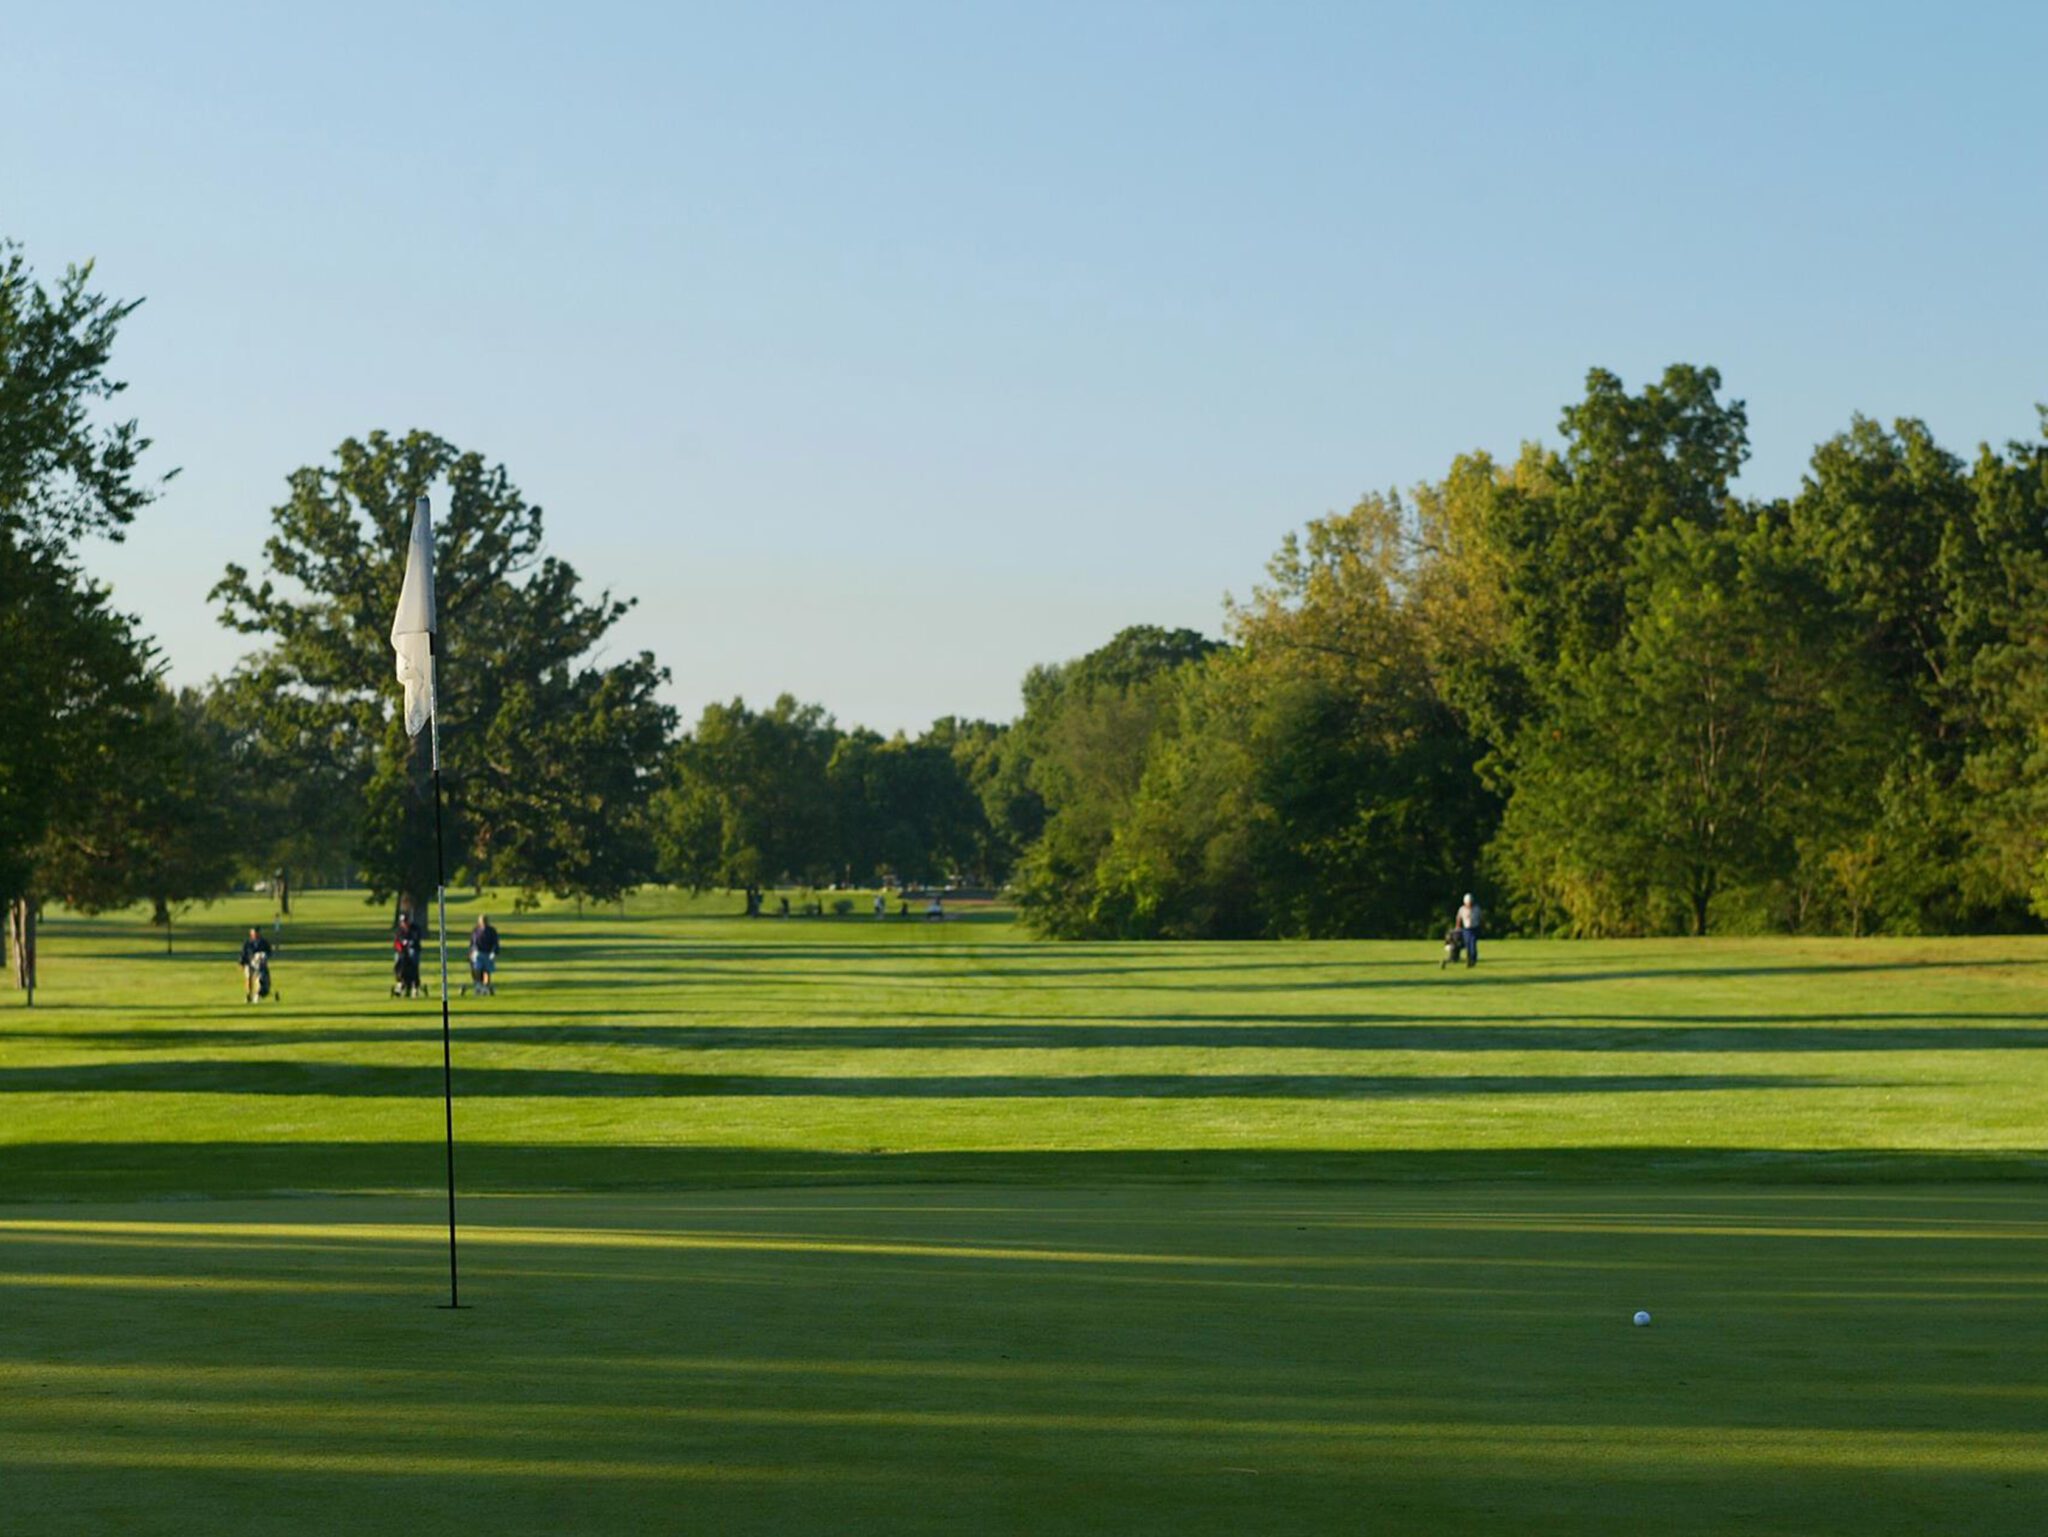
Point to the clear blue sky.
(883, 350)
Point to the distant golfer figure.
(255, 967)
(1468, 929)
(483, 957)
(406, 942)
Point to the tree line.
(1599, 683)
(1591, 678)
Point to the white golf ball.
(1642, 1320)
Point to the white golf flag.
(413, 628)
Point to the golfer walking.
(255, 967)
(483, 957)
(1468, 926)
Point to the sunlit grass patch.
(819, 1225)
(1108, 1358)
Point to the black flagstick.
(441, 897)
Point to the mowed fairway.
(845, 1225)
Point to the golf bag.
(405, 969)
(259, 976)
(1454, 947)
(484, 978)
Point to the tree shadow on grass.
(1700, 1034)
(581, 970)
(1485, 979)
(1232, 1360)
(341, 1078)
(116, 1170)
(585, 964)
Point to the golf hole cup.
(1642, 1320)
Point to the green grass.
(838, 1225)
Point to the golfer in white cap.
(1468, 925)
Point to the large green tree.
(1630, 463)
(296, 768)
(1940, 564)
(989, 758)
(1366, 764)
(153, 820)
(514, 658)
(74, 674)
(1316, 780)
(65, 471)
(1195, 855)
(747, 800)
(903, 808)
(78, 683)
(1728, 725)
(570, 762)
(1087, 732)
(2005, 773)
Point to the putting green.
(841, 1225)
(922, 1359)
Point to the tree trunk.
(283, 881)
(21, 943)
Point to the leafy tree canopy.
(523, 711)
(75, 676)
(64, 473)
